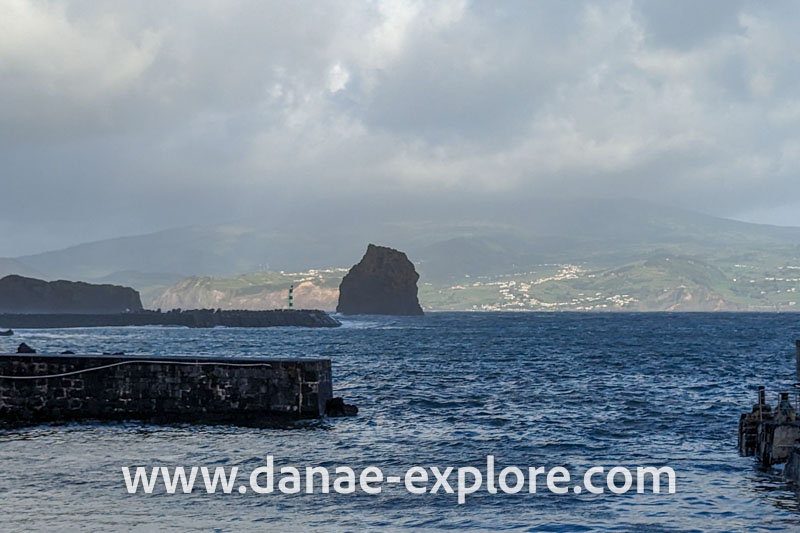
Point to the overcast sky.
(128, 117)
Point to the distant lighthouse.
(291, 296)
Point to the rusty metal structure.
(772, 435)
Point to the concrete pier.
(248, 391)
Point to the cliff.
(383, 283)
(28, 295)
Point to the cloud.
(144, 115)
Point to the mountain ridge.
(592, 235)
(525, 234)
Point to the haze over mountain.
(12, 266)
(493, 240)
(598, 235)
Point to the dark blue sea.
(447, 389)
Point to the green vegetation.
(313, 289)
(661, 282)
(658, 282)
(546, 254)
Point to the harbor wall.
(250, 391)
(193, 318)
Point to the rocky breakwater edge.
(195, 318)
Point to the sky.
(120, 118)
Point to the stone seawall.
(249, 391)
(197, 318)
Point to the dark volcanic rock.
(28, 295)
(383, 283)
(335, 407)
(24, 348)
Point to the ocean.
(447, 389)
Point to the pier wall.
(246, 391)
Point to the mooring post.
(797, 381)
(797, 359)
(762, 399)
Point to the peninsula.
(19, 294)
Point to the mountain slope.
(10, 267)
(316, 289)
(487, 239)
(619, 242)
(660, 282)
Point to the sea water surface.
(445, 389)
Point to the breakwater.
(196, 318)
(248, 391)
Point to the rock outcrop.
(19, 294)
(335, 407)
(24, 348)
(383, 283)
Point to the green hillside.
(661, 282)
(543, 254)
(313, 289)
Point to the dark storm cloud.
(125, 117)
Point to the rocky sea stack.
(383, 283)
(19, 294)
